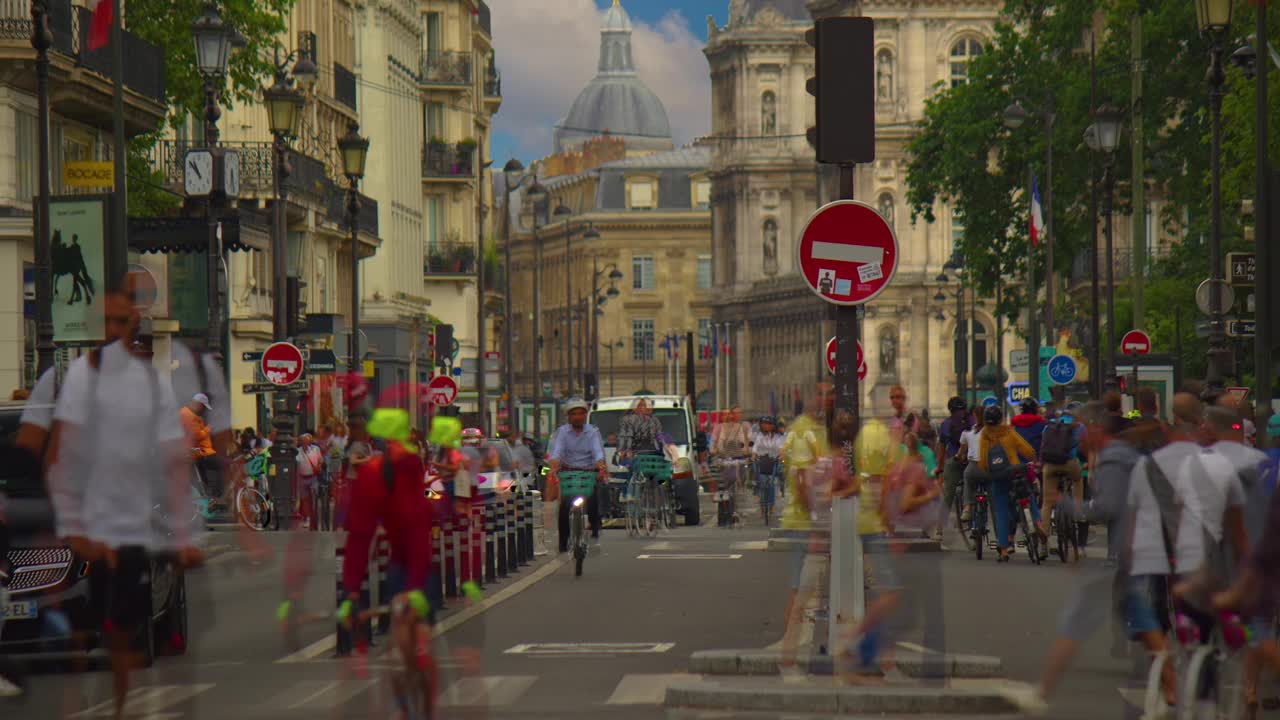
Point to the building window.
(957, 230)
(433, 223)
(702, 194)
(433, 122)
(884, 75)
(885, 206)
(642, 340)
(962, 52)
(642, 272)
(979, 347)
(640, 195)
(769, 235)
(705, 280)
(768, 113)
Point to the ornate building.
(766, 184)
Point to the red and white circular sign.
(282, 364)
(1135, 342)
(847, 253)
(442, 390)
(831, 359)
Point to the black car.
(42, 575)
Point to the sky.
(547, 51)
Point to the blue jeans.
(1006, 509)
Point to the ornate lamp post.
(1103, 136)
(1214, 19)
(354, 150)
(42, 40)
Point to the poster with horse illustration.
(78, 231)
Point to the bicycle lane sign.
(1062, 369)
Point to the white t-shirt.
(186, 383)
(39, 408)
(114, 481)
(1206, 485)
(969, 438)
(310, 460)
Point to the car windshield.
(674, 423)
(17, 478)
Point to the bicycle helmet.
(1030, 406)
(472, 436)
(769, 420)
(993, 415)
(955, 404)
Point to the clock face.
(231, 173)
(197, 170)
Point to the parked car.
(43, 575)
(676, 415)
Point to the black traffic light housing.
(444, 344)
(844, 86)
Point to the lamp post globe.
(537, 194)
(562, 211)
(355, 151)
(1107, 121)
(213, 40)
(613, 292)
(1213, 15)
(284, 107)
(305, 73)
(591, 234)
(513, 171)
(615, 275)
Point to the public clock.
(197, 170)
(231, 173)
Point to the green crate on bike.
(656, 467)
(574, 484)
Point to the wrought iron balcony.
(442, 160)
(446, 68)
(492, 83)
(450, 258)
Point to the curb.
(765, 662)
(881, 700)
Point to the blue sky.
(547, 51)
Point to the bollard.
(450, 561)
(461, 526)
(500, 535)
(366, 597)
(513, 555)
(477, 542)
(342, 645)
(437, 565)
(384, 586)
(522, 555)
(490, 550)
(530, 509)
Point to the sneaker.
(1026, 699)
(791, 675)
(966, 515)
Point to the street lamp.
(611, 346)
(284, 106)
(537, 197)
(213, 38)
(355, 151)
(1214, 18)
(613, 274)
(1103, 136)
(955, 265)
(41, 41)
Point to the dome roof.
(616, 101)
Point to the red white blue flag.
(1037, 213)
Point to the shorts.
(878, 562)
(122, 596)
(812, 578)
(1146, 605)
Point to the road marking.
(148, 701)
(644, 689)
(329, 642)
(490, 691)
(543, 649)
(689, 557)
(664, 545)
(914, 647)
(748, 545)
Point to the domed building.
(616, 101)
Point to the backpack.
(999, 466)
(1057, 442)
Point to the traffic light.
(844, 85)
(444, 344)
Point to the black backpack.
(999, 466)
(1057, 442)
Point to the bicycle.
(254, 507)
(1061, 523)
(766, 470)
(576, 487)
(727, 497)
(1023, 496)
(957, 513)
(981, 505)
(1212, 686)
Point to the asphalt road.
(547, 645)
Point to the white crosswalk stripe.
(642, 689)
(151, 701)
(487, 690)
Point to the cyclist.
(638, 432)
(732, 445)
(969, 452)
(766, 455)
(949, 435)
(999, 440)
(576, 446)
(1059, 450)
(1029, 424)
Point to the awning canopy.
(240, 231)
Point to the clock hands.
(195, 168)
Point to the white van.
(675, 412)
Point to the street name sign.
(1135, 342)
(831, 359)
(282, 363)
(847, 253)
(266, 387)
(1242, 328)
(1062, 369)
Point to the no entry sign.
(831, 359)
(442, 390)
(847, 253)
(1135, 342)
(282, 363)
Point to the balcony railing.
(493, 82)
(344, 86)
(485, 21)
(450, 258)
(441, 160)
(255, 163)
(446, 68)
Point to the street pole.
(507, 327)
(1139, 215)
(283, 455)
(42, 40)
(353, 222)
(537, 329)
(1262, 363)
(1001, 395)
(214, 252)
(611, 389)
(1050, 330)
(1217, 336)
(482, 394)
(1033, 312)
(117, 260)
(1108, 200)
(1098, 371)
(568, 310)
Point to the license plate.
(19, 610)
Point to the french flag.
(100, 24)
(1037, 213)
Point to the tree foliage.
(965, 160)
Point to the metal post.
(537, 330)
(508, 328)
(1217, 335)
(1000, 393)
(1139, 268)
(353, 221)
(283, 456)
(42, 40)
(568, 310)
(117, 260)
(1108, 199)
(482, 392)
(611, 392)
(1050, 299)
(1262, 362)
(213, 334)
(1098, 370)
(1033, 313)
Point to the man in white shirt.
(118, 478)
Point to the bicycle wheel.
(979, 528)
(1153, 699)
(632, 504)
(252, 509)
(649, 518)
(962, 528)
(576, 542)
(1031, 537)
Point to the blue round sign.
(1062, 369)
(990, 401)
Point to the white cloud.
(547, 51)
